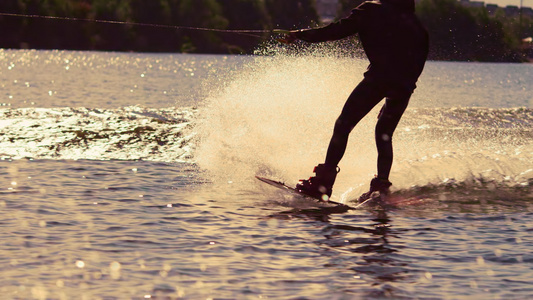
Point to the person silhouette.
(396, 45)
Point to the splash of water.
(275, 117)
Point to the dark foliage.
(457, 32)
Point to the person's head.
(408, 5)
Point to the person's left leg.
(361, 101)
(389, 118)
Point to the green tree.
(293, 14)
(202, 14)
(50, 33)
(112, 37)
(461, 33)
(457, 32)
(245, 14)
(152, 38)
(12, 26)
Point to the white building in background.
(327, 10)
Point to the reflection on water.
(115, 230)
(372, 258)
(416, 251)
(120, 227)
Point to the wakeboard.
(292, 190)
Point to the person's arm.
(334, 31)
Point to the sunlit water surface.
(131, 176)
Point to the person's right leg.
(363, 98)
(361, 101)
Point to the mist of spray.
(274, 117)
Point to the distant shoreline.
(527, 60)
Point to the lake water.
(131, 176)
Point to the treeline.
(470, 33)
(46, 33)
(457, 32)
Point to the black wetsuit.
(396, 45)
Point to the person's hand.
(288, 38)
